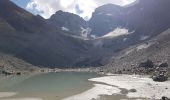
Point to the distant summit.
(142, 16)
(71, 23)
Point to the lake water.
(51, 86)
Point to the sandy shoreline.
(146, 88)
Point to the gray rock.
(133, 90)
(147, 64)
(165, 98)
(160, 78)
(163, 65)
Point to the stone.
(133, 90)
(147, 64)
(18, 73)
(165, 98)
(160, 78)
(163, 65)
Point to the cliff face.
(156, 50)
(144, 17)
(69, 22)
(140, 22)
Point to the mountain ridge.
(43, 43)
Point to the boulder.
(160, 78)
(147, 64)
(165, 98)
(18, 73)
(162, 65)
(133, 90)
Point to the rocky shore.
(131, 86)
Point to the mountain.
(20, 19)
(143, 17)
(71, 23)
(119, 27)
(56, 42)
(156, 50)
(36, 41)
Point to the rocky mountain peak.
(69, 22)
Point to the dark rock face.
(106, 18)
(69, 22)
(145, 17)
(160, 78)
(165, 98)
(147, 64)
(22, 20)
(163, 65)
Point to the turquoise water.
(51, 86)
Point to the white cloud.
(48, 7)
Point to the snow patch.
(118, 32)
(129, 51)
(99, 13)
(125, 39)
(93, 36)
(109, 14)
(64, 29)
(143, 46)
(144, 37)
(85, 32)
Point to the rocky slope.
(120, 27)
(155, 50)
(13, 65)
(141, 21)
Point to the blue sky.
(83, 8)
(21, 3)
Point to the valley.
(121, 52)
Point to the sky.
(83, 8)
